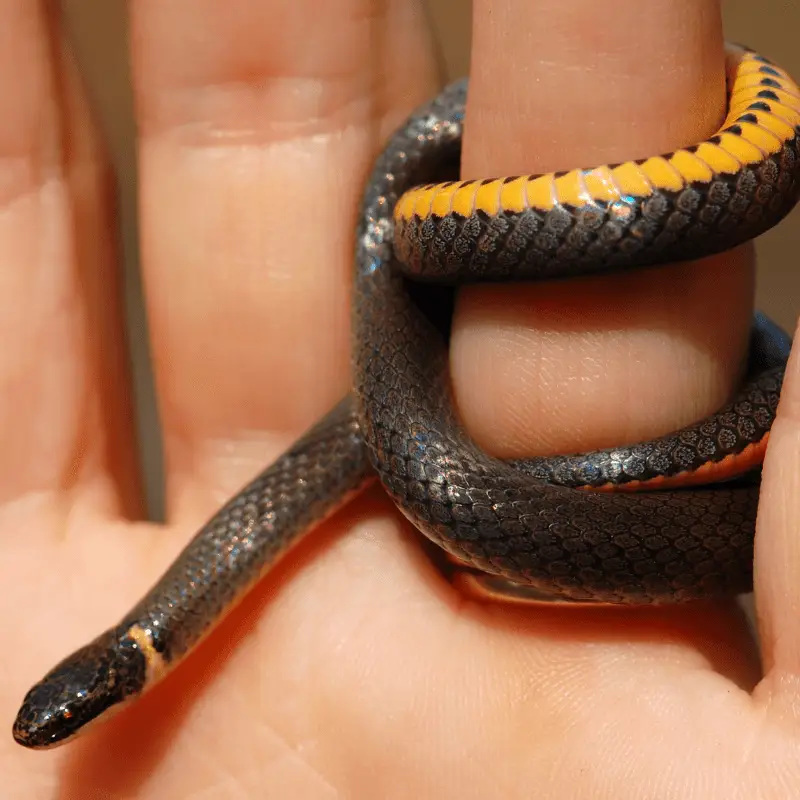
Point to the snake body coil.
(536, 524)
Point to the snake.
(669, 520)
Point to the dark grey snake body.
(524, 522)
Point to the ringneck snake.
(664, 521)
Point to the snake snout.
(85, 686)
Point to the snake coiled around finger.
(664, 521)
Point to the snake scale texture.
(631, 524)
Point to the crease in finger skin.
(265, 112)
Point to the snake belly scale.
(632, 524)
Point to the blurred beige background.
(99, 32)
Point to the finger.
(64, 404)
(596, 362)
(259, 122)
(777, 554)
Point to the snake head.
(87, 685)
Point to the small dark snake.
(527, 529)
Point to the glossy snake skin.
(538, 523)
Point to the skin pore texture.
(355, 670)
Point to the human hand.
(355, 669)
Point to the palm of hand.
(306, 697)
(354, 669)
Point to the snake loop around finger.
(663, 521)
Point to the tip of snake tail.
(85, 687)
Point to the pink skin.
(355, 669)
